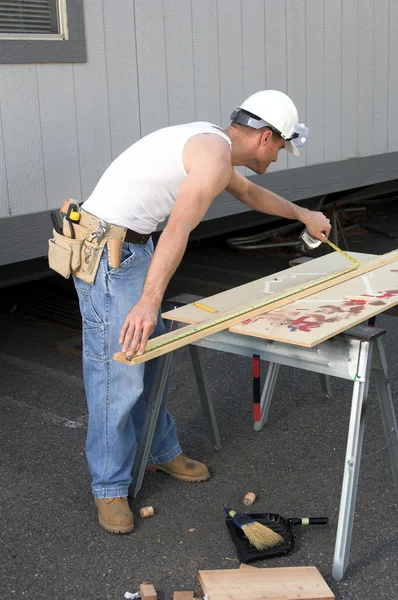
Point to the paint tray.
(247, 553)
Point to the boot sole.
(111, 529)
(185, 478)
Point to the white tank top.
(139, 188)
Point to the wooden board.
(183, 596)
(264, 287)
(314, 319)
(268, 301)
(318, 317)
(148, 592)
(294, 583)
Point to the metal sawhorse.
(355, 355)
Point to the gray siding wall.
(157, 62)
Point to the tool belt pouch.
(79, 255)
(90, 260)
(64, 254)
(115, 253)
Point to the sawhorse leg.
(352, 462)
(269, 388)
(268, 392)
(326, 385)
(207, 404)
(152, 413)
(377, 367)
(149, 425)
(388, 418)
(196, 357)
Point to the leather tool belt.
(77, 245)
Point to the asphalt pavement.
(51, 545)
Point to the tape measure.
(312, 243)
(356, 263)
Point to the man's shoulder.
(207, 144)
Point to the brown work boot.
(183, 468)
(114, 515)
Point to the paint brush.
(260, 536)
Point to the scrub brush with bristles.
(260, 536)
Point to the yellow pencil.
(199, 305)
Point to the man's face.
(266, 152)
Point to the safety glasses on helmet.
(243, 117)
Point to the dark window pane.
(28, 16)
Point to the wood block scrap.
(148, 592)
(183, 596)
(243, 566)
(292, 583)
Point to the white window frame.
(63, 25)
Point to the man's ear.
(265, 137)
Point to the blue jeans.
(117, 394)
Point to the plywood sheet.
(311, 320)
(314, 319)
(294, 583)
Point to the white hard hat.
(270, 108)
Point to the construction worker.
(175, 172)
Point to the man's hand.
(317, 224)
(138, 326)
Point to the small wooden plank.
(148, 592)
(183, 596)
(186, 335)
(243, 566)
(293, 583)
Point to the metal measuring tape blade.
(312, 243)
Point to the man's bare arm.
(265, 201)
(209, 172)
